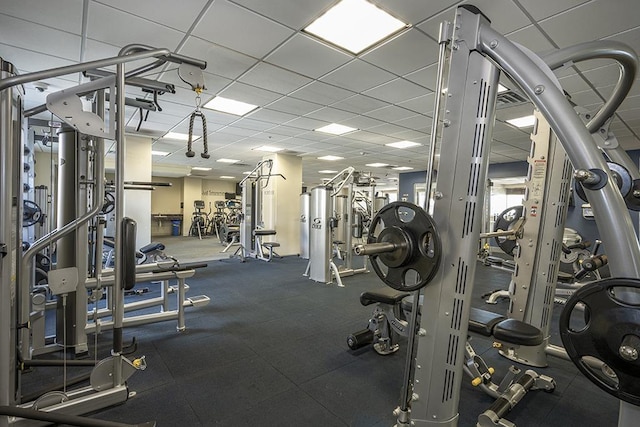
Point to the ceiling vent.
(510, 99)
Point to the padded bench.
(483, 322)
(258, 233)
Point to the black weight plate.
(504, 222)
(422, 260)
(609, 321)
(31, 213)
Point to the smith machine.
(252, 231)
(339, 211)
(473, 54)
(67, 280)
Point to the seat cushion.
(383, 295)
(514, 331)
(482, 321)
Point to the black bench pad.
(153, 246)
(517, 332)
(263, 232)
(383, 295)
(271, 244)
(482, 321)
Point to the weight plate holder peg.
(621, 177)
(609, 331)
(403, 246)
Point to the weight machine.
(252, 231)
(108, 380)
(339, 212)
(472, 55)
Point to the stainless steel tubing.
(376, 248)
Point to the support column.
(191, 190)
(137, 203)
(280, 210)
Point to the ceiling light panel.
(159, 153)
(269, 149)
(330, 158)
(180, 136)
(199, 168)
(522, 122)
(335, 129)
(230, 161)
(230, 106)
(355, 25)
(377, 165)
(402, 168)
(403, 144)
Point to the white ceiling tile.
(27, 62)
(220, 60)
(421, 104)
(396, 91)
(359, 104)
(28, 35)
(271, 116)
(358, 76)
(250, 94)
(531, 38)
(417, 121)
(425, 77)
(321, 93)
(273, 78)
(179, 15)
(362, 122)
(573, 83)
(297, 17)
(413, 12)
(390, 113)
(597, 19)
(65, 15)
(309, 124)
(306, 56)
(542, 9)
(102, 21)
(331, 115)
(603, 76)
(294, 106)
(586, 98)
(239, 29)
(404, 54)
(387, 129)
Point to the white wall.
(137, 203)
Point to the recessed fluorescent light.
(159, 153)
(269, 149)
(502, 88)
(180, 136)
(402, 144)
(402, 168)
(336, 129)
(227, 177)
(355, 25)
(246, 173)
(327, 171)
(523, 122)
(330, 158)
(377, 165)
(231, 106)
(227, 161)
(199, 168)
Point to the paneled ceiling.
(257, 53)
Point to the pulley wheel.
(505, 222)
(609, 331)
(415, 261)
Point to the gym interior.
(319, 213)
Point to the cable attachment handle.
(198, 113)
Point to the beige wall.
(281, 203)
(166, 200)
